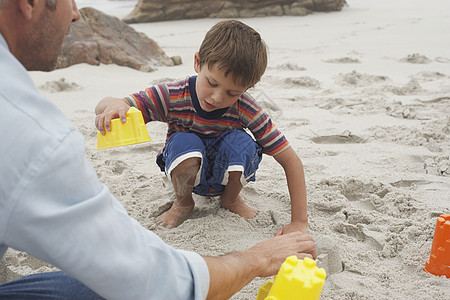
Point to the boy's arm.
(109, 108)
(295, 177)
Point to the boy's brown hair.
(238, 49)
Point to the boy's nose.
(216, 98)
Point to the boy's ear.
(197, 62)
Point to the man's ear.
(27, 8)
(197, 62)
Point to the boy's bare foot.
(239, 207)
(174, 216)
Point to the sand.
(363, 96)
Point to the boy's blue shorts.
(234, 150)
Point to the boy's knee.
(191, 163)
(189, 166)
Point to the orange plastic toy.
(439, 263)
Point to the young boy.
(207, 151)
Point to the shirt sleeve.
(260, 124)
(65, 216)
(153, 102)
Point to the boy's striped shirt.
(177, 105)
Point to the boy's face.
(214, 89)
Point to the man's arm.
(229, 273)
(295, 177)
(61, 214)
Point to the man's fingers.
(303, 255)
(308, 247)
(305, 243)
(300, 236)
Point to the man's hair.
(236, 48)
(50, 4)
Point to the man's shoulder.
(26, 111)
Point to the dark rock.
(176, 60)
(99, 38)
(164, 10)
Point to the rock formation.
(99, 38)
(165, 10)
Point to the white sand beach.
(363, 96)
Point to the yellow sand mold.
(296, 279)
(123, 134)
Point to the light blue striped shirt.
(53, 206)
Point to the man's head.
(237, 49)
(35, 29)
(51, 4)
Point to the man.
(53, 206)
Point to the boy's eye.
(211, 84)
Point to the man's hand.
(230, 272)
(275, 250)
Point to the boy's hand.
(293, 227)
(110, 108)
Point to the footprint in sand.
(401, 112)
(416, 58)
(303, 81)
(442, 60)
(358, 79)
(337, 195)
(117, 166)
(428, 76)
(343, 60)
(409, 183)
(290, 66)
(437, 165)
(432, 136)
(60, 85)
(344, 138)
(411, 88)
